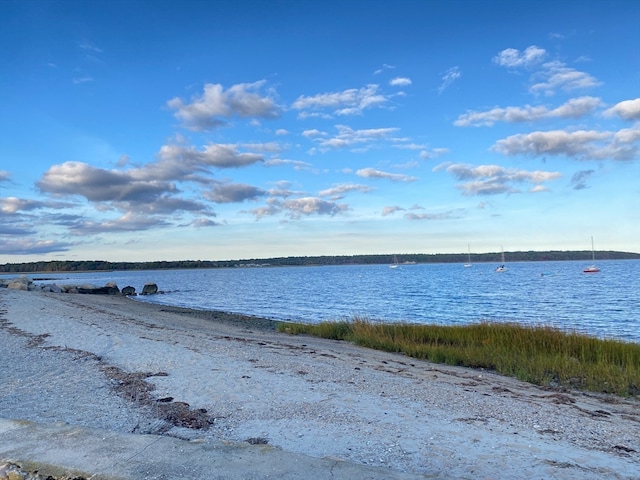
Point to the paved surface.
(62, 449)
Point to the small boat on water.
(592, 268)
(468, 264)
(395, 263)
(503, 267)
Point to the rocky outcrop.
(149, 288)
(129, 291)
(20, 283)
(110, 288)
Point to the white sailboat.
(592, 268)
(503, 267)
(395, 263)
(468, 264)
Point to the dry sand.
(105, 361)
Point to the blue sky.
(165, 130)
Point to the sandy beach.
(126, 367)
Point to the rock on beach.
(110, 288)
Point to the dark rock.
(129, 290)
(149, 288)
(109, 289)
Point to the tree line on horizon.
(99, 265)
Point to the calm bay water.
(605, 304)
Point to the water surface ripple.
(606, 304)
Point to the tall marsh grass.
(541, 355)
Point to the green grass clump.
(541, 355)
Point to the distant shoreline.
(63, 266)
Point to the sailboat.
(468, 264)
(502, 268)
(592, 268)
(395, 263)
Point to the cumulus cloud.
(125, 190)
(4, 176)
(394, 177)
(557, 76)
(448, 78)
(338, 192)
(298, 207)
(551, 76)
(581, 144)
(574, 108)
(178, 161)
(494, 179)
(514, 58)
(234, 193)
(97, 184)
(627, 110)
(215, 105)
(347, 102)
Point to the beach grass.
(542, 355)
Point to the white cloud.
(79, 80)
(433, 153)
(339, 191)
(313, 133)
(581, 144)
(400, 82)
(448, 78)
(556, 75)
(348, 137)
(513, 58)
(216, 104)
(394, 177)
(627, 110)
(215, 155)
(433, 216)
(494, 179)
(574, 108)
(298, 165)
(348, 102)
(296, 208)
(391, 210)
(233, 193)
(33, 247)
